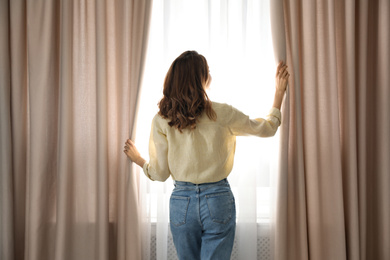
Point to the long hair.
(185, 97)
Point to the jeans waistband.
(184, 183)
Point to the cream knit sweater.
(206, 153)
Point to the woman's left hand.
(132, 152)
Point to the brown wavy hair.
(185, 97)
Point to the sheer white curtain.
(235, 38)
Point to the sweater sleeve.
(157, 168)
(241, 124)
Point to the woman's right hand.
(281, 77)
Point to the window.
(235, 38)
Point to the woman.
(193, 140)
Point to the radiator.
(263, 247)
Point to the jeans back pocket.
(178, 207)
(220, 206)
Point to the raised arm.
(157, 168)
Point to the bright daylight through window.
(236, 41)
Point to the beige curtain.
(334, 193)
(70, 73)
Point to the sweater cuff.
(274, 112)
(145, 168)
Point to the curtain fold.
(6, 166)
(333, 194)
(278, 219)
(70, 76)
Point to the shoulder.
(159, 122)
(228, 115)
(221, 107)
(225, 110)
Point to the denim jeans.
(203, 220)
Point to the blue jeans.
(203, 220)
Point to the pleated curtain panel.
(70, 75)
(333, 188)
